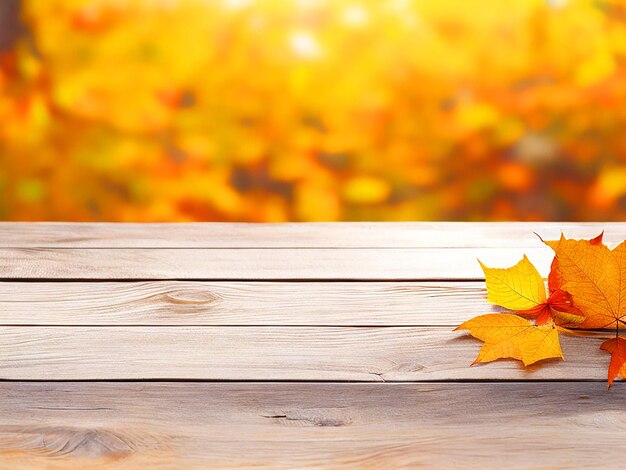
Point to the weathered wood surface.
(273, 353)
(298, 235)
(361, 251)
(241, 303)
(261, 263)
(225, 317)
(332, 426)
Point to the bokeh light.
(303, 110)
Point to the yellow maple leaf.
(510, 336)
(519, 287)
(596, 277)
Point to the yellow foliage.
(510, 336)
(366, 190)
(344, 110)
(519, 287)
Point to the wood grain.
(298, 235)
(335, 426)
(262, 264)
(242, 303)
(212, 311)
(273, 353)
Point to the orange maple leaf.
(595, 277)
(617, 366)
(554, 279)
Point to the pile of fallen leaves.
(586, 291)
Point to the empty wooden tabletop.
(284, 346)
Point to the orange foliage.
(273, 110)
(617, 348)
(587, 283)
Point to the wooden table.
(283, 346)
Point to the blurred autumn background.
(302, 110)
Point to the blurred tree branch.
(11, 26)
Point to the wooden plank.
(242, 303)
(273, 353)
(298, 235)
(262, 264)
(338, 426)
